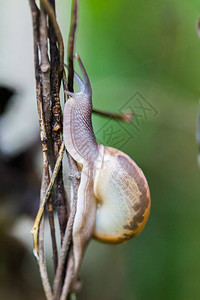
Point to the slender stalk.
(46, 84)
(42, 265)
(49, 9)
(68, 232)
(35, 229)
(73, 169)
(36, 17)
(125, 117)
(68, 277)
(71, 44)
(53, 233)
(55, 79)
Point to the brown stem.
(45, 76)
(35, 21)
(68, 233)
(38, 218)
(61, 201)
(75, 180)
(46, 83)
(71, 45)
(50, 206)
(42, 264)
(126, 117)
(69, 277)
(49, 9)
(36, 34)
(53, 233)
(48, 78)
(45, 183)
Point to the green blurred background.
(150, 48)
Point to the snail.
(113, 201)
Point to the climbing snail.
(113, 202)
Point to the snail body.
(113, 201)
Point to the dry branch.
(125, 117)
(71, 45)
(36, 34)
(49, 9)
(55, 80)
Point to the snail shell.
(123, 198)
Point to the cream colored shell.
(123, 197)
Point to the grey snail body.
(113, 202)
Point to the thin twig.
(71, 44)
(68, 277)
(54, 56)
(42, 265)
(125, 117)
(45, 132)
(35, 229)
(68, 232)
(72, 166)
(48, 8)
(35, 20)
(55, 77)
(36, 34)
(53, 233)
